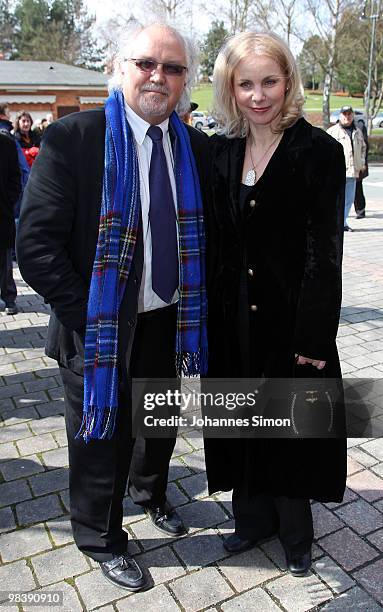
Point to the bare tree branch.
(327, 17)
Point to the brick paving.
(195, 572)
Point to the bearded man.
(111, 234)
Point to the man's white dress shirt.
(148, 299)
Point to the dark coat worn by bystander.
(9, 190)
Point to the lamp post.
(374, 16)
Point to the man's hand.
(315, 362)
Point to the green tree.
(88, 53)
(353, 61)
(352, 66)
(212, 43)
(327, 19)
(311, 61)
(32, 18)
(57, 31)
(7, 29)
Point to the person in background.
(5, 119)
(274, 290)
(10, 188)
(6, 127)
(354, 147)
(28, 139)
(36, 127)
(360, 200)
(186, 117)
(23, 131)
(43, 126)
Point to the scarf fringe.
(97, 423)
(192, 364)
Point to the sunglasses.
(148, 65)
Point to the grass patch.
(314, 102)
(203, 95)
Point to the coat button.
(254, 307)
(250, 272)
(252, 203)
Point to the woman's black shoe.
(234, 544)
(299, 565)
(124, 572)
(166, 519)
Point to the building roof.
(48, 74)
(26, 99)
(92, 99)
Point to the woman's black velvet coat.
(291, 237)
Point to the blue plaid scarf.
(119, 219)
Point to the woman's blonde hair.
(229, 118)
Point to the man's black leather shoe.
(11, 309)
(124, 572)
(166, 520)
(234, 544)
(299, 565)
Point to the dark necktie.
(162, 218)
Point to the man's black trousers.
(99, 470)
(8, 290)
(360, 200)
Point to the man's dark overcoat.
(10, 188)
(289, 240)
(58, 233)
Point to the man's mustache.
(155, 89)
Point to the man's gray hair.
(124, 49)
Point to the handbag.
(314, 403)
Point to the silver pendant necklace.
(251, 176)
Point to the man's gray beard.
(152, 105)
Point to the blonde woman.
(274, 303)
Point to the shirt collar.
(140, 126)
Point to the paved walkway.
(193, 573)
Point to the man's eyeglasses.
(148, 65)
